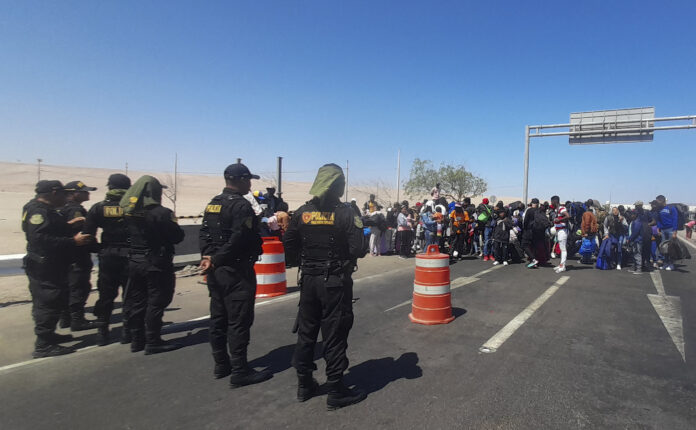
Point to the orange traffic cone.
(270, 269)
(432, 301)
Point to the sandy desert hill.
(17, 181)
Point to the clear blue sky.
(94, 83)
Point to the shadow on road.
(373, 375)
(280, 359)
(457, 312)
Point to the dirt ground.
(17, 181)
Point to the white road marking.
(668, 308)
(8, 257)
(510, 328)
(688, 242)
(456, 283)
(407, 302)
(165, 329)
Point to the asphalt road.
(594, 354)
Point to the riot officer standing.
(153, 232)
(50, 245)
(230, 245)
(326, 238)
(81, 269)
(113, 254)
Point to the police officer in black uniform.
(113, 253)
(326, 238)
(81, 269)
(50, 246)
(153, 232)
(230, 245)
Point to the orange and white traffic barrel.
(270, 269)
(432, 300)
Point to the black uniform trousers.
(232, 294)
(80, 286)
(326, 303)
(113, 272)
(150, 290)
(49, 295)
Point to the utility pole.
(398, 174)
(280, 177)
(38, 168)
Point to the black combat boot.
(158, 346)
(126, 337)
(306, 387)
(341, 396)
(64, 321)
(60, 338)
(103, 335)
(44, 347)
(249, 377)
(222, 364)
(79, 323)
(137, 341)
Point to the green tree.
(455, 181)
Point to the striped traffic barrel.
(270, 269)
(432, 301)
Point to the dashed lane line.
(456, 283)
(510, 328)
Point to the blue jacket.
(667, 218)
(636, 229)
(428, 222)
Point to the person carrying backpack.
(667, 224)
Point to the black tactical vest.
(322, 240)
(217, 226)
(113, 224)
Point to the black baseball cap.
(535, 200)
(118, 181)
(239, 170)
(78, 186)
(45, 186)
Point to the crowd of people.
(537, 233)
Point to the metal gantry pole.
(398, 174)
(526, 166)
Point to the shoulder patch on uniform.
(24, 216)
(358, 221)
(113, 211)
(248, 222)
(318, 218)
(36, 219)
(213, 209)
(77, 214)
